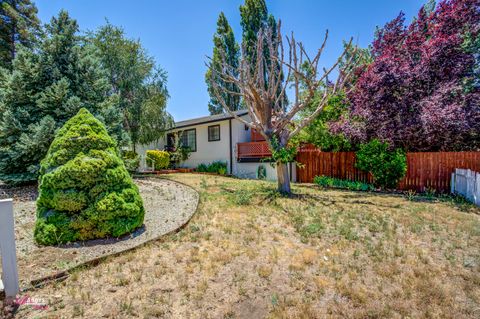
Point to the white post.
(452, 184)
(7, 249)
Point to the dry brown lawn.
(249, 253)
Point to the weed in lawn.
(242, 197)
(264, 271)
(126, 307)
(410, 194)
(203, 183)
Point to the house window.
(189, 139)
(214, 133)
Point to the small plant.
(158, 159)
(242, 197)
(179, 154)
(387, 167)
(131, 161)
(430, 193)
(215, 167)
(326, 181)
(261, 172)
(202, 168)
(410, 194)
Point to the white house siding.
(208, 152)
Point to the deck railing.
(253, 150)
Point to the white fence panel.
(467, 183)
(7, 249)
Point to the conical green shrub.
(85, 191)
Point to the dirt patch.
(168, 206)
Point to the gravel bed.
(168, 206)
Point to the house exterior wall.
(208, 152)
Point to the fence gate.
(467, 183)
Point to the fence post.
(452, 183)
(7, 249)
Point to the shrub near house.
(85, 191)
(158, 159)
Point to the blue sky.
(179, 33)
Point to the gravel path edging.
(65, 273)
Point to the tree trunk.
(283, 178)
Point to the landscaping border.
(64, 274)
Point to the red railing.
(255, 136)
(253, 150)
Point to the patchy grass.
(250, 253)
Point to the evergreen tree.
(43, 91)
(85, 189)
(254, 17)
(18, 25)
(140, 84)
(226, 48)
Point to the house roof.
(208, 119)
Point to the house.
(224, 138)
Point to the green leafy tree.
(140, 84)
(354, 62)
(318, 132)
(19, 25)
(387, 166)
(224, 47)
(85, 190)
(44, 90)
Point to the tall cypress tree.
(18, 25)
(255, 17)
(43, 91)
(226, 48)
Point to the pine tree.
(18, 25)
(224, 46)
(43, 91)
(85, 189)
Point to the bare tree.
(263, 84)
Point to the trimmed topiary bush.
(158, 159)
(85, 191)
(387, 166)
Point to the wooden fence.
(424, 170)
